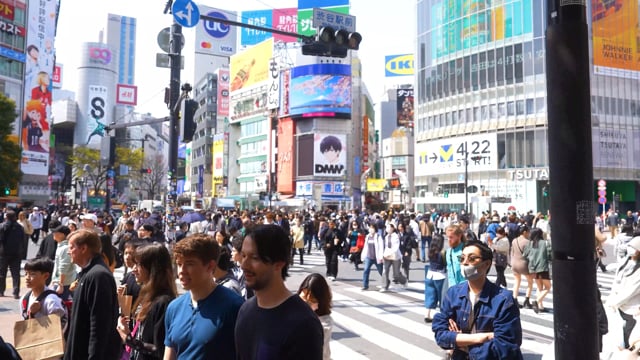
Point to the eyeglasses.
(471, 258)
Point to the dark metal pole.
(174, 91)
(571, 181)
(110, 171)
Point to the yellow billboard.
(374, 185)
(251, 66)
(615, 36)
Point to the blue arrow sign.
(111, 173)
(185, 13)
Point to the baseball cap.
(634, 243)
(91, 217)
(62, 229)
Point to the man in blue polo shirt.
(200, 323)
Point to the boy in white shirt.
(41, 300)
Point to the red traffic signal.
(145, 171)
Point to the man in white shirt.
(36, 221)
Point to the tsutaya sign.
(528, 174)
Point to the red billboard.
(285, 156)
(285, 20)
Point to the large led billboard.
(320, 90)
(463, 24)
(615, 30)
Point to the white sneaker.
(331, 278)
(383, 290)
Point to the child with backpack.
(41, 300)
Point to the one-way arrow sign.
(185, 13)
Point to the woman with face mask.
(392, 258)
(478, 319)
(625, 291)
(372, 254)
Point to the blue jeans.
(367, 268)
(432, 292)
(308, 239)
(424, 240)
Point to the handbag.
(39, 338)
(390, 254)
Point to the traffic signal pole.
(174, 122)
(571, 181)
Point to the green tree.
(10, 153)
(86, 163)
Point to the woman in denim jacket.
(478, 319)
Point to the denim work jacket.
(497, 313)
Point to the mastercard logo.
(205, 45)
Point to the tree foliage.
(86, 163)
(10, 153)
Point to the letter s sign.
(97, 107)
(398, 65)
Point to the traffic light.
(329, 42)
(445, 194)
(545, 191)
(187, 123)
(7, 191)
(145, 171)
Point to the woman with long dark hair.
(315, 291)
(436, 275)
(154, 271)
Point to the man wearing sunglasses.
(478, 319)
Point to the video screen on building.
(320, 90)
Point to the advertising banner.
(262, 18)
(285, 20)
(329, 155)
(462, 24)
(615, 32)
(320, 90)
(223, 92)
(309, 4)
(273, 96)
(37, 87)
(96, 118)
(251, 66)
(57, 76)
(404, 105)
(616, 148)
(286, 86)
(126, 94)
(398, 65)
(215, 38)
(285, 155)
(218, 155)
(448, 155)
(376, 185)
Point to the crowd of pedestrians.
(233, 265)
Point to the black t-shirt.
(289, 331)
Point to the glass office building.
(481, 96)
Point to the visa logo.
(398, 65)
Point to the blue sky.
(387, 28)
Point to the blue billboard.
(309, 4)
(262, 18)
(320, 90)
(460, 25)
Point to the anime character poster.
(329, 155)
(36, 116)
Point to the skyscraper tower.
(121, 35)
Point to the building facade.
(121, 35)
(481, 107)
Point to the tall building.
(121, 35)
(481, 104)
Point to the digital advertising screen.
(320, 90)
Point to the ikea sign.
(398, 65)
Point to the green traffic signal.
(7, 191)
(446, 194)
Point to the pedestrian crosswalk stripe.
(390, 342)
(340, 351)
